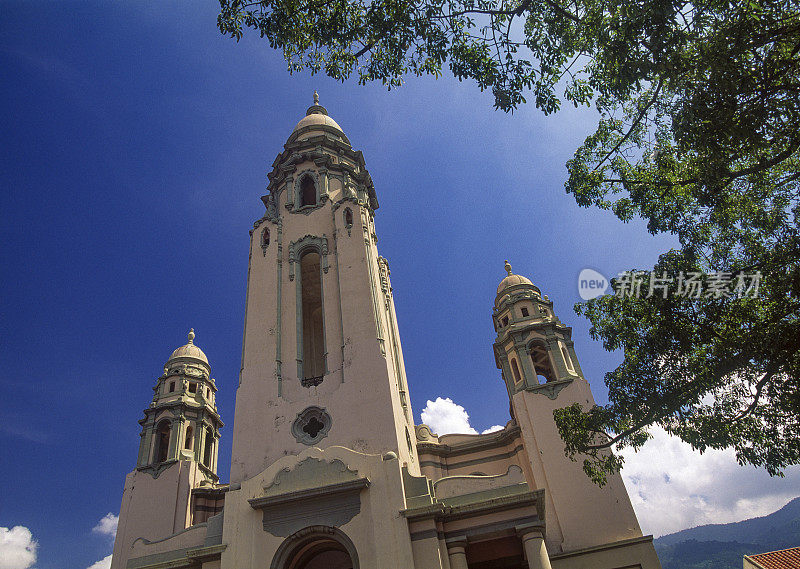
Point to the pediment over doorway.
(315, 492)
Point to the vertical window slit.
(311, 309)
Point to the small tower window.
(348, 218)
(311, 310)
(265, 240)
(524, 311)
(171, 386)
(566, 357)
(162, 442)
(189, 436)
(208, 448)
(308, 192)
(192, 387)
(515, 370)
(505, 321)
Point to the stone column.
(535, 550)
(457, 552)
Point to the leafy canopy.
(699, 131)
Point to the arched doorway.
(316, 547)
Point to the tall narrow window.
(311, 310)
(308, 192)
(515, 370)
(207, 449)
(566, 357)
(265, 240)
(162, 442)
(348, 218)
(189, 436)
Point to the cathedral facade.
(328, 469)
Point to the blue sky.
(135, 146)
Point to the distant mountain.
(721, 546)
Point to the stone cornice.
(526, 326)
(485, 442)
(604, 547)
(310, 493)
(441, 512)
(186, 404)
(191, 557)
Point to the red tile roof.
(783, 559)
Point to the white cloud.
(107, 526)
(445, 417)
(673, 487)
(17, 548)
(104, 563)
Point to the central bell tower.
(322, 363)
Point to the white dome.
(514, 280)
(317, 119)
(189, 351)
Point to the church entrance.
(316, 547)
(323, 554)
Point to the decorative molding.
(551, 389)
(157, 468)
(296, 248)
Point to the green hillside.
(721, 546)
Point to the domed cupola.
(315, 122)
(532, 347)
(188, 354)
(515, 282)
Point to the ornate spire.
(316, 97)
(508, 268)
(191, 336)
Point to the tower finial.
(508, 268)
(316, 97)
(191, 336)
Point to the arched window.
(162, 441)
(208, 448)
(311, 311)
(515, 370)
(189, 437)
(308, 191)
(541, 363)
